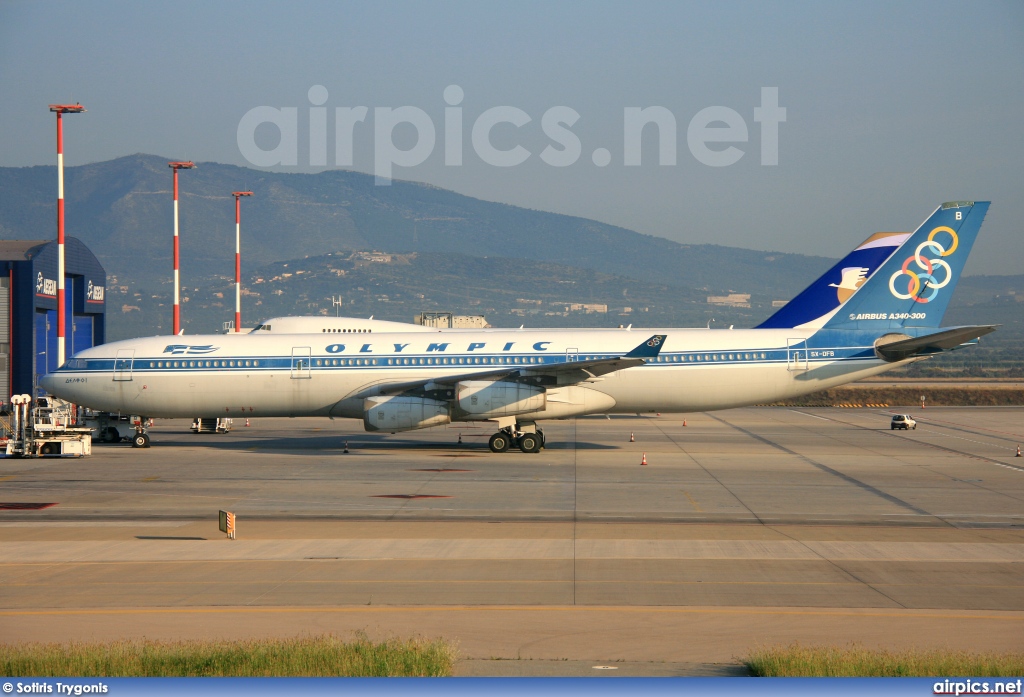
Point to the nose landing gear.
(141, 437)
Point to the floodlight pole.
(60, 110)
(177, 285)
(238, 257)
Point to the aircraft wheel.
(140, 440)
(499, 442)
(46, 449)
(529, 443)
(543, 439)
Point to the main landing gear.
(514, 437)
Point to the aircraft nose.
(48, 382)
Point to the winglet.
(649, 348)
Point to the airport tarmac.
(747, 528)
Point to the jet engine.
(487, 399)
(398, 413)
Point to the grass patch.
(856, 661)
(319, 656)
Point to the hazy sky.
(891, 108)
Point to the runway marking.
(250, 499)
(969, 440)
(1017, 616)
(443, 550)
(696, 506)
(4, 479)
(973, 456)
(797, 411)
(409, 496)
(96, 523)
(825, 468)
(439, 469)
(484, 582)
(961, 427)
(693, 458)
(150, 479)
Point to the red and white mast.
(177, 284)
(60, 110)
(238, 257)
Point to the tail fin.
(893, 279)
(913, 288)
(817, 303)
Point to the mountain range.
(122, 209)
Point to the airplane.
(878, 308)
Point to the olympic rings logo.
(916, 280)
(655, 341)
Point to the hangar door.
(46, 342)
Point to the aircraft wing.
(946, 340)
(565, 372)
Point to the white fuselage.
(326, 374)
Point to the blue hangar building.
(28, 309)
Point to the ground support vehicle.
(47, 429)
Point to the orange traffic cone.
(631, 438)
(1018, 451)
(684, 422)
(659, 413)
(643, 460)
(247, 423)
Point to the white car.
(904, 421)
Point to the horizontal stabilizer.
(933, 343)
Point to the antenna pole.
(60, 110)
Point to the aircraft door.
(797, 354)
(123, 365)
(301, 359)
(572, 355)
